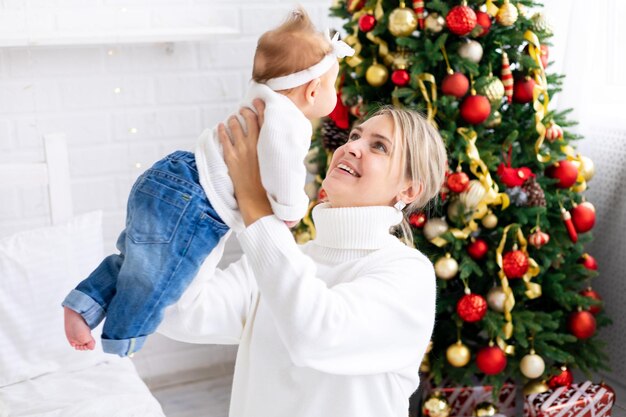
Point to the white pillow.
(37, 270)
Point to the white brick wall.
(123, 106)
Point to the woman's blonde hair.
(422, 153)
(291, 47)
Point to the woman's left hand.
(240, 155)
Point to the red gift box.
(463, 400)
(584, 400)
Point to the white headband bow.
(340, 50)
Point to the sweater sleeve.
(282, 147)
(379, 322)
(215, 307)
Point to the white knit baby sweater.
(333, 328)
(284, 141)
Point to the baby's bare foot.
(77, 331)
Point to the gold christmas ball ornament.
(496, 298)
(490, 221)
(446, 267)
(376, 75)
(587, 168)
(494, 120)
(435, 228)
(532, 365)
(434, 22)
(471, 50)
(425, 365)
(541, 23)
(507, 14)
(436, 406)
(456, 209)
(474, 194)
(490, 87)
(579, 187)
(535, 387)
(402, 21)
(458, 354)
(485, 409)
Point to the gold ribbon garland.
(492, 194)
(533, 290)
(431, 108)
(541, 88)
(353, 39)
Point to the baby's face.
(327, 95)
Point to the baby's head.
(291, 48)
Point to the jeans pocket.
(155, 212)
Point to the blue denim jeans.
(171, 227)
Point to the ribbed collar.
(364, 228)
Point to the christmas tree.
(507, 233)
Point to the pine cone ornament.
(333, 136)
(534, 193)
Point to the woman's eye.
(380, 146)
(353, 136)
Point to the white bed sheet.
(110, 389)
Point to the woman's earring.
(400, 205)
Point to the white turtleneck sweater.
(284, 141)
(336, 327)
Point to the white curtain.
(588, 42)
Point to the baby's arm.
(283, 174)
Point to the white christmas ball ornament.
(472, 51)
(434, 228)
(532, 365)
(496, 298)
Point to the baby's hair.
(291, 47)
(422, 153)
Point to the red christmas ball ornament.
(471, 307)
(477, 249)
(400, 77)
(417, 220)
(582, 324)
(484, 21)
(461, 20)
(565, 171)
(544, 55)
(523, 90)
(515, 264)
(458, 182)
(563, 378)
(475, 109)
(367, 22)
(491, 360)
(590, 293)
(588, 262)
(455, 84)
(583, 216)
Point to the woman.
(336, 327)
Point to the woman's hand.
(240, 155)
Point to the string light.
(117, 90)
(133, 130)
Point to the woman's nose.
(353, 147)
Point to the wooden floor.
(203, 398)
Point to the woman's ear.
(411, 192)
(311, 90)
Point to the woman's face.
(363, 172)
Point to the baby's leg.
(77, 331)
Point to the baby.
(181, 210)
